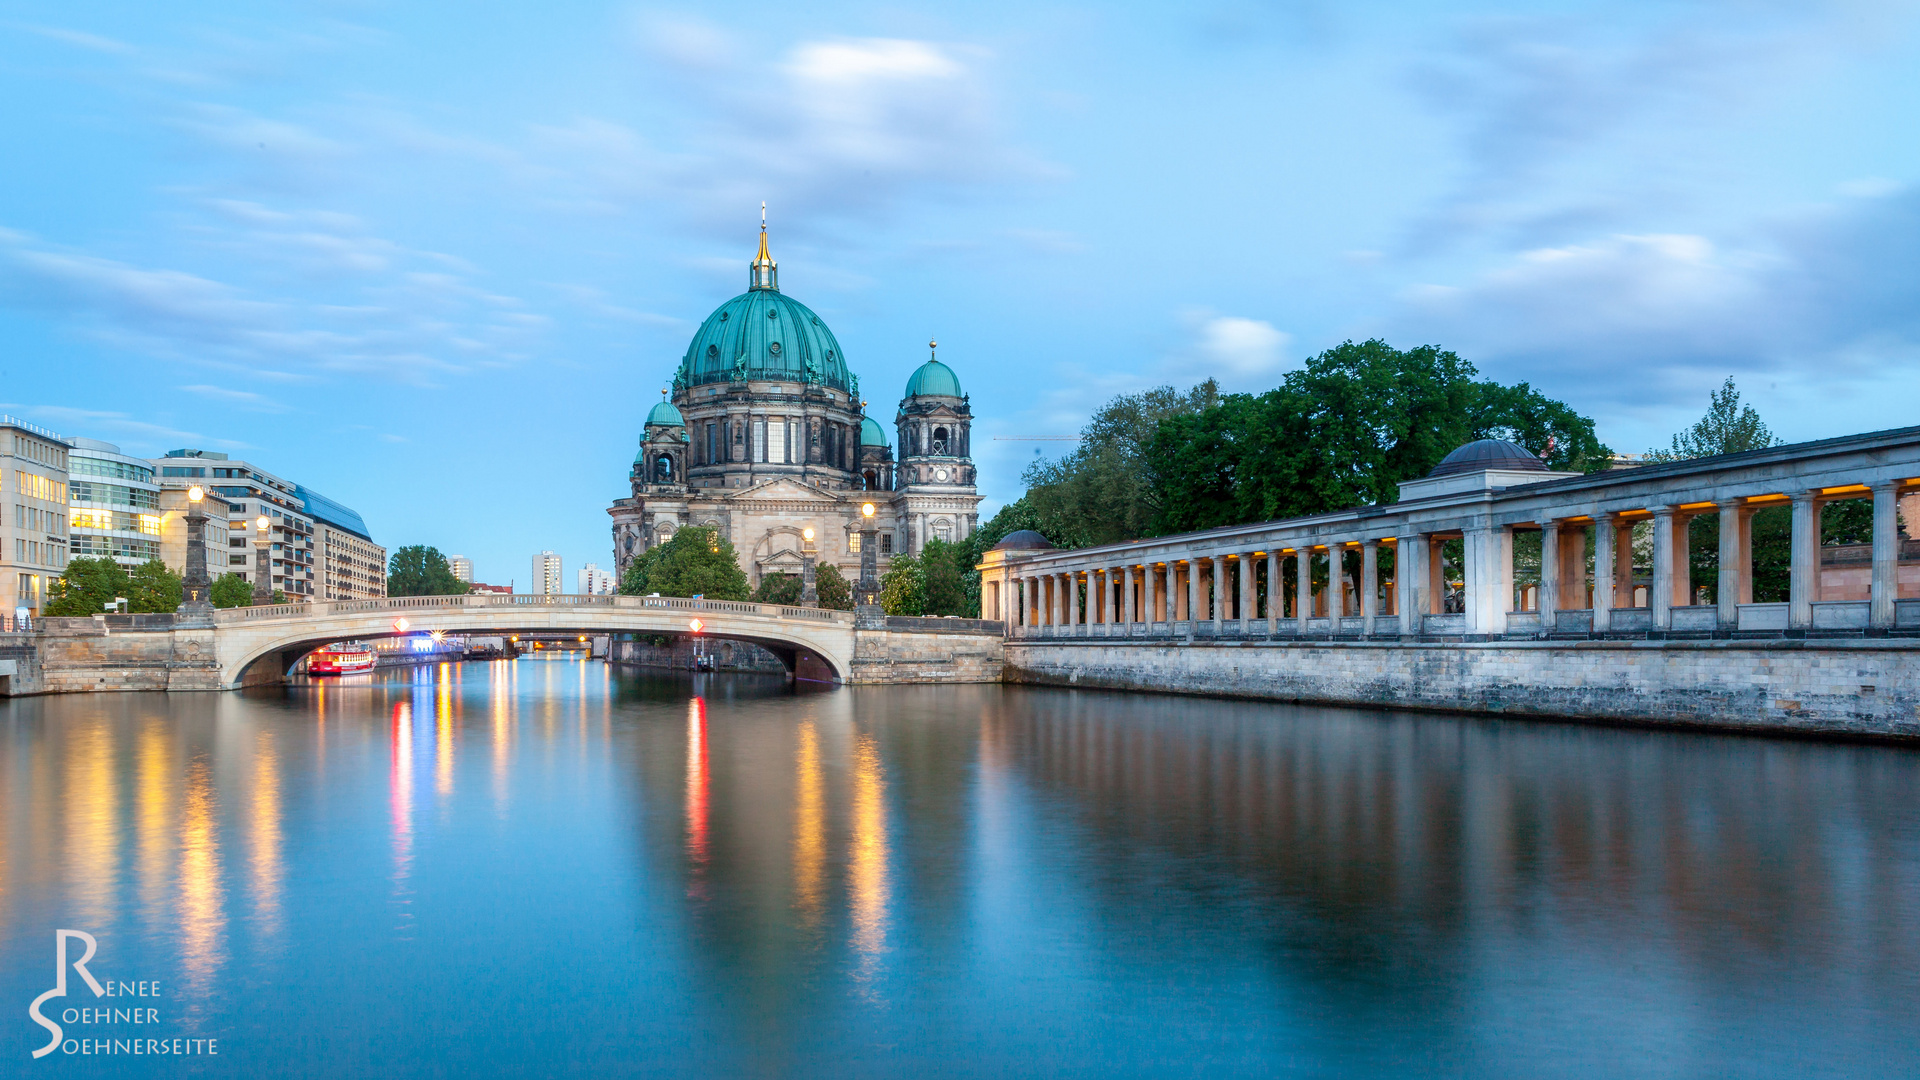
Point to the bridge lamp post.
(809, 597)
(262, 563)
(868, 591)
(196, 588)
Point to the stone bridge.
(252, 646)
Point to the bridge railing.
(495, 600)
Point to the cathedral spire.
(765, 272)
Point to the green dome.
(934, 379)
(665, 413)
(764, 334)
(871, 434)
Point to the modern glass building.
(114, 504)
(249, 492)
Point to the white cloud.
(1243, 353)
(253, 401)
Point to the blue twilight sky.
(436, 261)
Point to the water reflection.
(731, 878)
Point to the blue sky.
(436, 261)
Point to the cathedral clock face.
(939, 474)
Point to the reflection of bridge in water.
(259, 645)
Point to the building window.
(886, 543)
(853, 542)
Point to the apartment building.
(547, 579)
(33, 529)
(248, 492)
(352, 566)
(114, 504)
(594, 581)
(462, 568)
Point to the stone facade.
(763, 435)
(1855, 687)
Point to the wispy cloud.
(80, 39)
(244, 398)
(93, 423)
(398, 324)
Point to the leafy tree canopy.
(902, 588)
(418, 570)
(778, 589)
(833, 588)
(1345, 430)
(1728, 428)
(231, 590)
(698, 561)
(153, 588)
(1102, 492)
(86, 587)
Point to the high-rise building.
(547, 580)
(33, 530)
(352, 566)
(249, 492)
(115, 504)
(595, 581)
(462, 568)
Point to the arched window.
(939, 440)
(872, 480)
(663, 469)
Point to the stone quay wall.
(1849, 687)
(925, 651)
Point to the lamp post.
(809, 596)
(262, 563)
(867, 593)
(195, 586)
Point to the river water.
(551, 867)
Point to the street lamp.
(809, 596)
(195, 587)
(867, 594)
(262, 563)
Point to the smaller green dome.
(871, 434)
(665, 413)
(934, 379)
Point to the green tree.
(1346, 430)
(419, 570)
(833, 588)
(153, 588)
(698, 561)
(778, 589)
(231, 590)
(1102, 492)
(1728, 428)
(86, 587)
(902, 589)
(944, 567)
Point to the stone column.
(1489, 579)
(1248, 600)
(1273, 589)
(1549, 574)
(1660, 593)
(1886, 556)
(1217, 571)
(1410, 567)
(1605, 533)
(1804, 576)
(1303, 586)
(1072, 583)
(1623, 564)
(1127, 608)
(1194, 612)
(1106, 596)
(1369, 584)
(1734, 585)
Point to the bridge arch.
(259, 645)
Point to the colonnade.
(1391, 571)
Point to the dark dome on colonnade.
(1023, 540)
(1483, 454)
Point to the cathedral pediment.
(782, 489)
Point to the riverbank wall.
(1845, 687)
